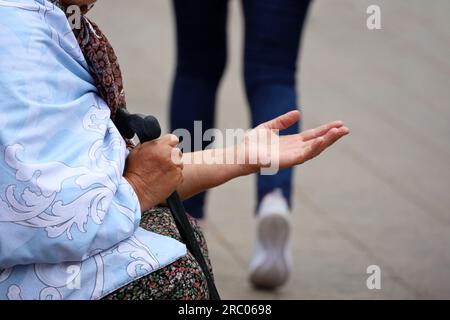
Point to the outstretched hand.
(293, 149)
(154, 161)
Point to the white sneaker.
(272, 262)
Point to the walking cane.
(147, 128)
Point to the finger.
(334, 135)
(320, 131)
(171, 139)
(177, 157)
(321, 143)
(282, 122)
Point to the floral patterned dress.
(181, 280)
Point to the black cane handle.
(147, 128)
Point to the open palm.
(289, 150)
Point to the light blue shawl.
(69, 221)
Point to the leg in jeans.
(201, 60)
(272, 39)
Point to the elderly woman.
(79, 212)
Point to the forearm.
(207, 169)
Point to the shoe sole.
(273, 271)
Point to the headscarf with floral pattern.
(101, 59)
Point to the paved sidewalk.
(381, 196)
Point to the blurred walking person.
(273, 30)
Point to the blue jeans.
(273, 31)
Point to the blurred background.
(381, 196)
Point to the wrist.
(241, 161)
(145, 202)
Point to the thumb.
(282, 122)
